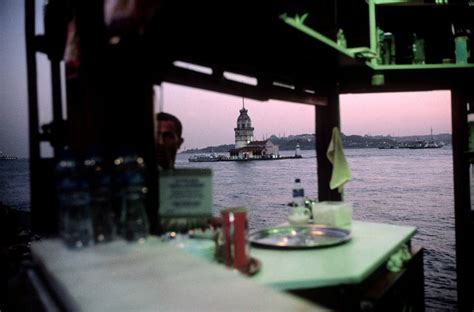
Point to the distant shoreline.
(308, 142)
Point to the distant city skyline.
(209, 117)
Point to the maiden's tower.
(245, 146)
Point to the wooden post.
(327, 117)
(462, 201)
(115, 112)
(33, 119)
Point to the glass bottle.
(418, 49)
(341, 39)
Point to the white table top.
(154, 276)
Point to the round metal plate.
(298, 237)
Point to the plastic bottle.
(299, 214)
(298, 193)
(133, 222)
(74, 202)
(101, 199)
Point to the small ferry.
(387, 146)
(425, 144)
(7, 157)
(214, 158)
(208, 158)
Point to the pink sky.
(398, 114)
(209, 118)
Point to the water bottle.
(133, 222)
(299, 214)
(298, 193)
(74, 202)
(101, 199)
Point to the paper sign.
(186, 193)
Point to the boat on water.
(211, 158)
(425, 144)
(7, 157)
(419, 144)
(207, 158)
(387, 146)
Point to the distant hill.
(308, 142)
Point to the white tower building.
(244, 130)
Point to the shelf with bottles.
(438, 3)
(419, 66)
(421, 34)
(434, 34)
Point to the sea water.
(15, 184)
(398, 186)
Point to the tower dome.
(244, 121)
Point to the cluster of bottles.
(98, 203)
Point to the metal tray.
(299, 237)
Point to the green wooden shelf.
(298, 23)
(419, 66)
(417, 3)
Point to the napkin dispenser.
(332, 213)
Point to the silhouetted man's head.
(168, 139)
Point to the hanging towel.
(340, 169)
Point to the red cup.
(235, 237)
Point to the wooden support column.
(33, 116)
(115, 112)
(327, 117)
(462, 201)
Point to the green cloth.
(340, 168)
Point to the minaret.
(244, 130)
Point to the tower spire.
(243, 103)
